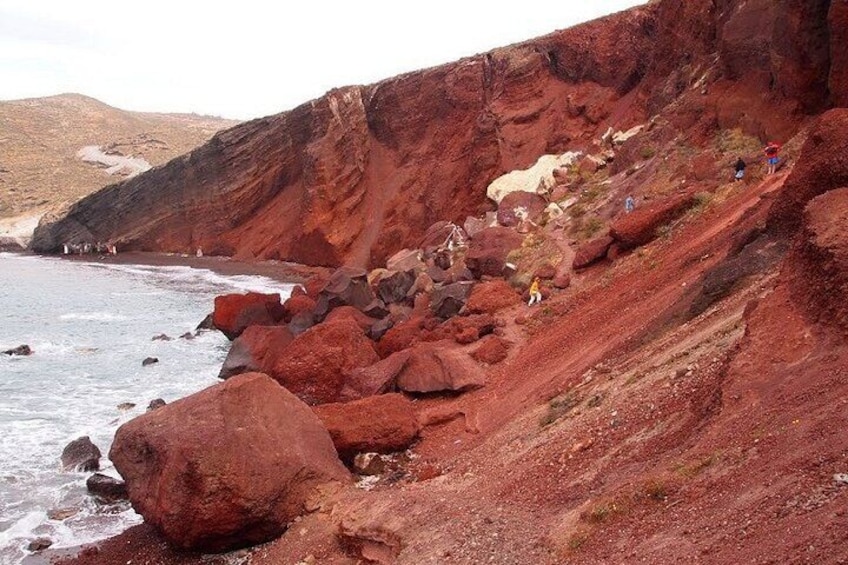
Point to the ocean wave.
(93, 317)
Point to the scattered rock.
(437, 367)
(446, 301)
(187, 336)
(546, 271)
(62, 513)
(178, 463)
(488, 251)
(81, 455)
(236, 312)
(39, 544)
(207, 323)
(562, 281)
(406, 260)
(347, 287)
(370, 464)
(124, 406)
(155, 403)
(22, 350)
(256, 350)
(592, 252)
(378, 378)
(106, 489)
(149, 361)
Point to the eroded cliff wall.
(361, 172)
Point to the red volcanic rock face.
(256, 350)
(379, 424)
(314, 366)
(640, 227)
(838, 28)
(235, 312)
(226, 467)
(489, 297)
(591, 252)
(489, 249)
(822, 166)
(823, 258)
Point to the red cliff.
(361, 172)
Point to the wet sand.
(277, 270)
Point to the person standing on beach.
(771, 151)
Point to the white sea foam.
(90, 328)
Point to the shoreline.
(280, 271)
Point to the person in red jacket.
(771, 151)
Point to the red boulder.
(591, 252)
(489, 249)
(314, 366)
(438, 367)
(520, 205)
(352, 314)
(640, 227)
(375, 379)
(226, 467)
(378, 424)
(256, 350)
(235, 312)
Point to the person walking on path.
(629, 204)
(771, 151)
(739, 167)
(535, 295)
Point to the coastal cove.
(90, 324)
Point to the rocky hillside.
(56, 150)
(363, 171)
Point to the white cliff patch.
(19, 229)
(115, 164)
(538, 178)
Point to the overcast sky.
(248, 58)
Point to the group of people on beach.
(87, 248)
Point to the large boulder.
(256, 350)
(640, 227)
(379, 378)
(493, 349)
(81, 455)
(394, 286)
(235, 312)
(226, 467)
(346, 287)
(350, 313)
(591, 252)
(448, 300)
(105, 488)
(406, 260)
(491, 296)
(379, 424)
(400, 336)
(518, 206)
(439, 367)
(315, 365)
(489, 249)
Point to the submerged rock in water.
(62, 513)
(161, 337)
(81, 455)
(149, 361)
(39, 544)
(126, 406)
(22, 350)
(155, 403)
(106, 488)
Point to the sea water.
(90, 326)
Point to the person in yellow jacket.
(535, 295)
